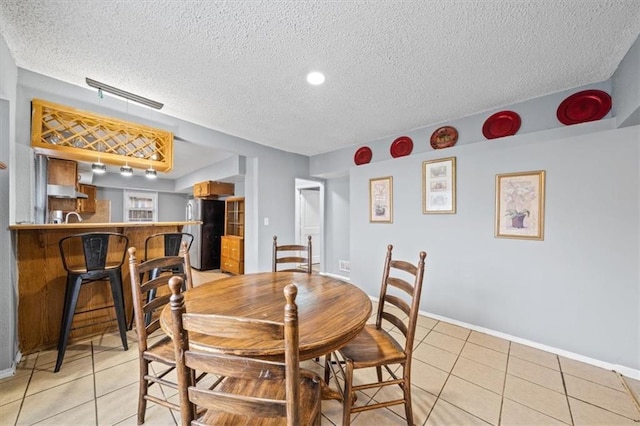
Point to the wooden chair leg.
(143, 389)
(327, 362)
(348, 393)
(408, 407)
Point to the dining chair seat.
(308, 397)
(161, 351)
(373, 346)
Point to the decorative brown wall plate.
(444, 137)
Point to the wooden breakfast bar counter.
(42, 281)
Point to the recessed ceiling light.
(315, 78)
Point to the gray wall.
(8, 288)
(336, 224)
(7, 270)
(171, 206)
(577, 290)
(626, 88)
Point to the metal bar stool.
(88, 257)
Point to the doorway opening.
(309, 218)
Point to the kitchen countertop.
(93, 225)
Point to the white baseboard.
(624, 370)
(340, 277)
(11, 371)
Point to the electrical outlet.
(344, 265)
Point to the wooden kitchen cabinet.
(64, 173)
(232, 254)
(211, 189)
(87, 205)
(234, 216)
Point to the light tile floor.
(459, 376)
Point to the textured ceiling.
(240, 66)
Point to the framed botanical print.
(439, 186)
(381, 200)
(520, 205)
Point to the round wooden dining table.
(331, 312)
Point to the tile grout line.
(626, 386)
(566, 393)
(504, 383)
(24, 394)
(95, 387)
(443, 385)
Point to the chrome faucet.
(66, 218)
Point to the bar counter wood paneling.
(42, 281)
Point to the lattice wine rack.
(66, 132)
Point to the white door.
(310, 220)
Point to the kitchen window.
(140, 206)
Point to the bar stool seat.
(89, 257)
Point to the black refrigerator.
(205, 249)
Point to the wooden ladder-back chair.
(303, 256)
(162, 351)
(255, 391)
(159, 245)
(375, 347)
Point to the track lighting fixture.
(123, 94)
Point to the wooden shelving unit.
(232, 250)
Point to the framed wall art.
(520, 205)
(439, 186)
(381, 200)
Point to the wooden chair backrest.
(258, 372)
(397, 292)
(140, 288)
(303, 255)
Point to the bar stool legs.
(74, 282)
(115, 278)
(70, 303)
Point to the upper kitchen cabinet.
(62, 175)
(211, 189)
(87, 205)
